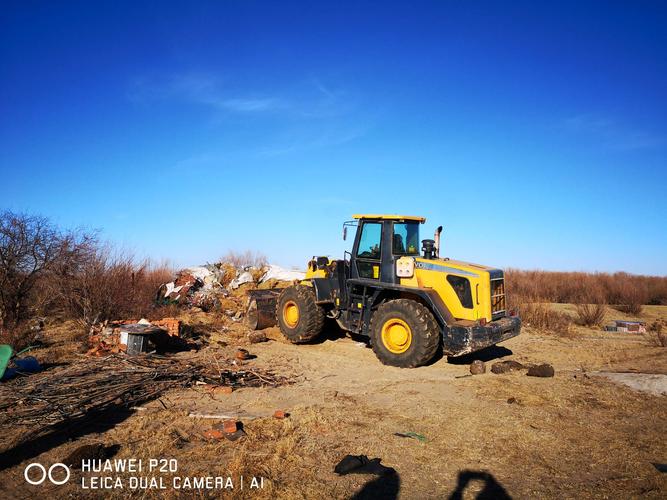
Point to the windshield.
(406, 238)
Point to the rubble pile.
(205, 287)
(220, 287)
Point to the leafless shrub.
(540, 315)
(245, 259)
(661, 339)
(31, 248)
(590, 314)
(590, 306)
(628, 290)
(656, 326)
(110, 285)
(655, 333)
(631, 298)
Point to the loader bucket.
(261, 312)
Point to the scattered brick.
(214, 434)
(229, 426)
(280, 414)
(222, 389)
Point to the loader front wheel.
(300, 318)
(404, 333)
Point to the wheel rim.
(291, 314)
(396, 335)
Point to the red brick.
(229, 426)
(213, 434)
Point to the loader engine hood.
(471, 291)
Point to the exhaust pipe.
(436, 237)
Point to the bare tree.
(29, 247)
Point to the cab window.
(369, 243)
(406, 238)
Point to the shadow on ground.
(331, 332)
(491, 488)
(39, 443)
(487, 354)
(385, 487)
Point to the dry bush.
(655, 333)
(628, 291)
(249, 258)
(590, 306)
(590, 314)
(660, 339)
(656, 326)
(31, 247)
(631, 297)
(110, 286)
(540, 315)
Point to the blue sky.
(535, 134)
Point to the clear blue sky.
(536, 135)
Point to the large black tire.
(404, 333)
(300, 318)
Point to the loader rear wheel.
(300, 318)
(404, 333)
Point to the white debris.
(281, 274)
(199, 272)
(244, 277)
(209, 278)
(171, 288)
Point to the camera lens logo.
(44, 474)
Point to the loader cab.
(380, 241)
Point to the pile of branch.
(97, 385)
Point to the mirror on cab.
(344, 233)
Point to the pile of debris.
(204, 286)
(97, 385)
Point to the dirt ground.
(578, 434)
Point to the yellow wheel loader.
(410, 304)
